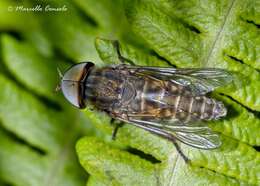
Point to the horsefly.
(169, 102)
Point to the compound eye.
(72, 83)
(71, 91)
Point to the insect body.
(169, 102)
(127, 93)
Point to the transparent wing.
(198, 81)
(170, 125)
(197, 135)
(202, 140)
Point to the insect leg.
(185, 158)
(121, 58)
(162, 133)
(115, 131)
(117, 126)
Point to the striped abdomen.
(167, 100)
(188, 108)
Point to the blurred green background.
(39, 129)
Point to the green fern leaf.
(186, 34)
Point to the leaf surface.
(235, 163)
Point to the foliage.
(188, 34)
(39, 129)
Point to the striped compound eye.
(72, 83)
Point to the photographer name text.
(37, 8)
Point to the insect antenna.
(59, 72)
(58, 87)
